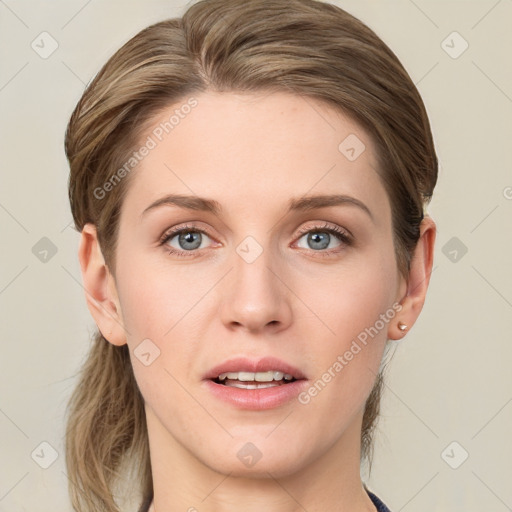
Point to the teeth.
(256, 377)
(251, 386)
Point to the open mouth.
(255, 384)
(258, 380)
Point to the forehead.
(253, 150)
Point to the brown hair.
(305, 47)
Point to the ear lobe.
(418, 280)
(100, 289)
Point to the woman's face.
(258, 272)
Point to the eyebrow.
(295, 204)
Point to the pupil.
(190, 237)
(316, 238)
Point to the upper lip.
(244, 364)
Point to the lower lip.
(257, 399)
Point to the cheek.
(162, 309)
(354, 309)
(155, 297)
(349, 299)
(347, 363)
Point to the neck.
(331, 482)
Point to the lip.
(255, 399)
(244, 364)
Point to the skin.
(252, 154)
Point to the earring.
(402, 326)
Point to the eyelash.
(339, 233)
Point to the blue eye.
(319, 238)
(190, 238)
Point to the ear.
(100, 289)
(418, 280)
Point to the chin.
(248, 461)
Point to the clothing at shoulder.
(377, 502)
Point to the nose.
(255, 297)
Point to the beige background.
(449, 380)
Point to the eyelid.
(171, 232)
(327, 226)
